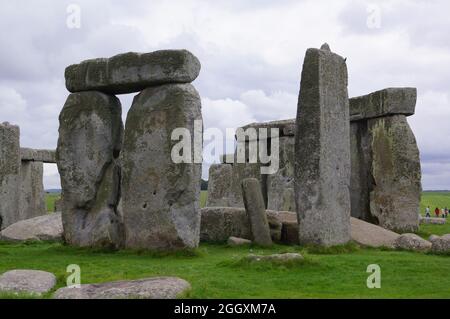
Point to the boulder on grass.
(235, 241)
(412, 242)
(432, 220)
(371, 235)
(150, 288)
(440, 244)
(35, 282)
(278, 258)
(47, 227)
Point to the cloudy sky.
(251, 54)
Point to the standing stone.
(32, 194)
(280, 185)
(9, 174)
(219, 185)
(254, 205)
(322, 150)
(395, 169)
(161, 197)
(90, 139)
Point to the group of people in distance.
(438, 212)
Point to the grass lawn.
(215, 271)
(50, 199)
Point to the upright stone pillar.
(9, 174)
(322, 150)
(219, 185)
(386, 172)
(32, 194)
(90, 139)
(161, 197)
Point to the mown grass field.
(217, 271)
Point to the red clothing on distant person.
(436, 211)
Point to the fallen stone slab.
(412, 242)
(150, 288)
(27, 281)
(220, 223)
(41, 228)
(440, 244)
(279, 258)
(371, 235)
(235, 241)
(432, 220)
(34, 155)
(390, 101)
(132, 72)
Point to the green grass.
(434, 199)
(203, 197)
(217, 271)
(50, 199)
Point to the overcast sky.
(251, 54)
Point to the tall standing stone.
(9, 174)
(32, 194)
(322, 150)
(161, 197)
(254, 205)
(90, 139)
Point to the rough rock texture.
(151, 288)
(27, 281)
(132, 72)
(90, 139)
(322, 148)
(46, 227)
(371, 235)
(396, 174)
(32, 194)
(412, 242)
(440, 244)
(58, 205)
(280, 185)
(278, 258)
(432, 220)
(9, 174)
(160, 197)
(219, 185)
(254, 205)
(235, 241)
(286, 127)
(385, 102)
(45, 156)
(220, 223)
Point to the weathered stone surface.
(27, 281)
(235, 241)
(32, 194)
(9, 174)
(90, 139)
(432, 220)
(440, 244)
(132, 72)
(390, 101)
(220, 223)
(396, 174)
(412, 242)
(45, 156)
(254, 205)
(151, 288)
(278, 258)
(286, 127)
(58, 205)
(160, 197)
(371, 235)
(280, 185)
(219, 185)
(322, 164)
(46, 227)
